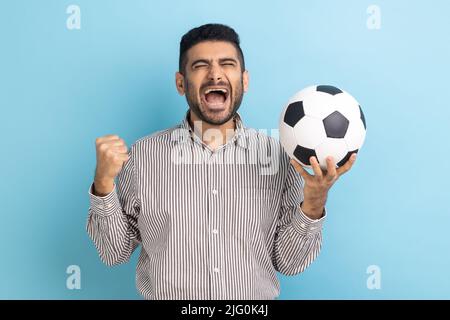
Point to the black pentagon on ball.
(336, 125)
(328, 89)
(294, 112)
(345, 159)
(303, 154)
(362, 117)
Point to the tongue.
(214, 98)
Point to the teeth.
(218, 89)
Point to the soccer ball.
(322, 121)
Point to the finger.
(120, 149)
(107, 139)
(116, 143)
(316, 167)
(122, 156)
(347, 166)
(299, 168)
(331, 169)
(110, 137)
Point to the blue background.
(60, 89)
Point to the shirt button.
(215, 231)
(109, 205)
(216, 270)
(302, 225)
(214, 192)
(100, 206)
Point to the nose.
(215, 73)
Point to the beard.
(196, 106)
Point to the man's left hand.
(316, 186)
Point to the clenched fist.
(112, 153)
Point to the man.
(217, 207)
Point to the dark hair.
(209, 32)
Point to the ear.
(179, 82)
(245, 80)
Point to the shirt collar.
(239, 138)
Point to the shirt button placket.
(214, 229)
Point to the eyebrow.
(228, 60)
(209, 61)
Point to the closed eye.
(200, 66)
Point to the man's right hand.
(112, 153)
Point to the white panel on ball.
(347, 105)
(337, 148)
(318, 105)
(286, 132)
(355, 135)
(309, 132)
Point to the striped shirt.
(211, 224)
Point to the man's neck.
(212, 135)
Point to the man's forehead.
(212, 50)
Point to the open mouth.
(215, 98)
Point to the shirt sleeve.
(298, 238)
(113, 219)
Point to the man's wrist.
(102, 188)
(312, 211)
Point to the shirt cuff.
(305, 225)
(106, 205)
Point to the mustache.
(213, 83)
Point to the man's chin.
(216, 117)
